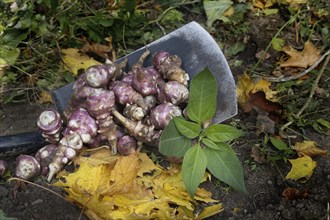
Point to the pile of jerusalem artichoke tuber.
(109, 106)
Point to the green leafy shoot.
(280, 145)
(186, 128)
(222, 133)
(210, 150)
(172, 142)
(203, 97)
(193, 168)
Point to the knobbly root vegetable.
(50, 125)
(176, 92)
(170, 67)
(67, 149)
(126, 94)
(44, 156)
(134, 112)
(100, 102)
(27, 167)
(143, 133)
(99, 75)
(144, 80)
(162, 114)
(82, 123)
(126, 145)
(3, 167)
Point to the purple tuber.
(176, 92)
(170, 67)
(27, 167)
(3, 167)
(126, 145)
(144, 80)
(82, 123)
(67, 149)
(44, 156)
(141, 132)
(50, 124)
(126, 94)
(162, 114)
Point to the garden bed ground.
(265, 182)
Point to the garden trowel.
(197, 49)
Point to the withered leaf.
(305, 58)
(104, 51)
(309, 148)
(294, 194)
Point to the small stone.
(36, 202)
(300, 205)
(270, 182)
(280, 208)
(286, 214)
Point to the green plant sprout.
(201, 144)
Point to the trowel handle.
(23, 143)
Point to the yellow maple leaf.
(117, 189)
(302, 168)
(245, 85)
(122, 177)
(309, 148)
(45, 97)
(74, 61)
(305, 58)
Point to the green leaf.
(215, 146)
(203, 97)
(280, 145)
(225, 166)
(172, 142)
(222, 133)
(214, 10)
(323, 122)
(187, 128)
(193, 168)
(278, 43)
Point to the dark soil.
(265, 183)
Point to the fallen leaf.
(245, 85)
(215, 10)
(262, 4)
(123, 188)
(259, 101)
(294, 194)
(302, 168)
(104, 51)
(305, 58)
(309, 148)
(44, 97)
(74, 61)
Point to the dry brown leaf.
(245, 86)
(305, 58)
(45, 97)
(104, 51)
(309, 148)
(294, 194)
